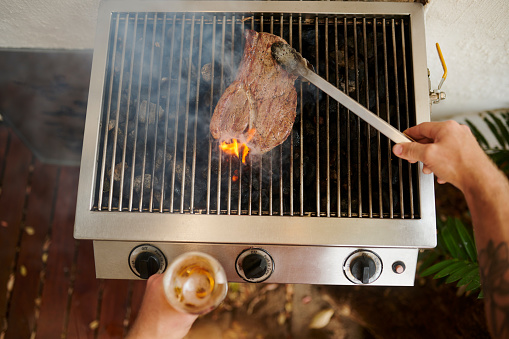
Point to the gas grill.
(331, 205)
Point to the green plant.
(498, 124)
(456, 246)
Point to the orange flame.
(230, 148)
(240, 150)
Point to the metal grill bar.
(338, 125)
(327, 120)
(177, 113)
(136, 119)
(301, 149)
(155, 150)
(396, 92)
(230, 157)
(368, 128)
(101, 183)
(195, 129)
(377, 110)
(358, 120)
(251, 163)
(186, 121)
(117, 115)
(317, 170)
(166, 114)
(230, 164)
(270, 153)
(209, 167)
(147, 116)
(290, 22)
(239, 205)
(124, 148)
(407, 110)
(158, 96)
(221, 89)
(348, 137)
(176, 166)
(388, 117)
(260, 179)
(281, 206)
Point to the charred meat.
(259, 107)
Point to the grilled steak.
(259, 107)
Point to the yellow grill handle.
(444, 66)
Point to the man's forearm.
(488, 199)
(450, 150)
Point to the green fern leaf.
(478, 135)
(506, 117)
(466, 240)
(458, 243)
(441, 245)
(504, 133)
(449, 241)
(453, 241)
(501, 159)
(453, 267)
(458, 274)
(437, 267)
(469, 277)
(495, 131)
(474, 284)
(481, 294)
(427, 258)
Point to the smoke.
(166, 73)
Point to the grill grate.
(166, 72)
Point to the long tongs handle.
(362, 112)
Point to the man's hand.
(157, 318)
(447, 149)
(452, 153)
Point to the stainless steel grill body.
(151, 173)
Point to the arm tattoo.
(494, 270)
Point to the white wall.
(474, 38)
(473, 34)
(64, 24)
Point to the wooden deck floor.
(48, 287)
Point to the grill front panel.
(166, 72)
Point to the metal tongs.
(293, 62)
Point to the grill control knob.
(147, 260)
(363, 267)
(146, 264)
(254, 265)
